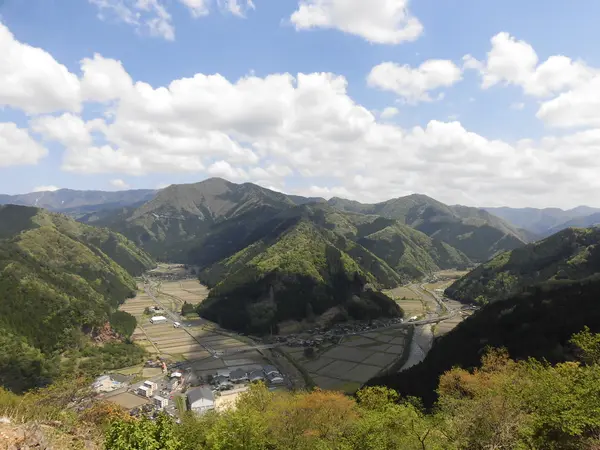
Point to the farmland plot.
(357, 359)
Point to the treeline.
(502, 405)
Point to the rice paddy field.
(347, 366)
(411, 301)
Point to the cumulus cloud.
(377, 21)
(515, 62)
(569, 88)
(49, 188)
(413, 85)
(17, 147)
(301, 133)
(389, 112)
(119, 184)
(32, 80)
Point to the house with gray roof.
(201, 399)
(238, 376)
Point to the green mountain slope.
(287, 262)
(536, 323)
(572, 254)
(58, 278)
(297, 274)
(475, 232)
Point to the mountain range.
(269, 257)
(547, 221)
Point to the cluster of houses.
(202, 399)
(320, 335)
(225, 379)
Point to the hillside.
(78, 203)
(579, 222)
(572, 254)
(475, 232)
(59, 281)
(536, 323)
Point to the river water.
(419, 347)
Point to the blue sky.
(467, 148)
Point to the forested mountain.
(59, 280)
(77, 203)
(182, 215)
(475, 232)
(547, 221)
(572, 254)
(536, 323)
(312, 258)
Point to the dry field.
(357, 359)
(128, 400)
(451, 274)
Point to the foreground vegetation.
(502, 405)
(61, 283)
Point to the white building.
(275, 378)
(160, 402)
(201, 400)
(158, 319)
(107, 383)
(144, 391)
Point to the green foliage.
(187, 308)
(143, 434)
(123, 323)
(57, 280)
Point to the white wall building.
(201, 400)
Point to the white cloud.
(377, 21)
(389, 113)
(413, 85)
(17, 147)
(32, 80)
(151, 17)
(236, 7)
(119, 184)
(146, 16)
(570, 89)
(198, 8)
(515, 62)
(517, 105)
(50, 188)
(225, 170)
(104, 79)
(304, 133)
